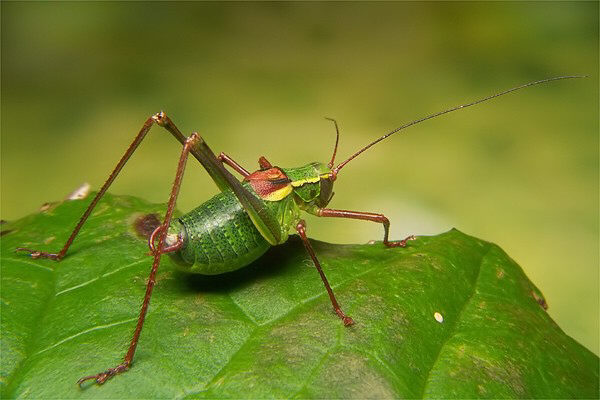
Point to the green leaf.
(268, 330)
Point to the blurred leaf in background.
(78, 80)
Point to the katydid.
(247, 217)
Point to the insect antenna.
(353, 156)
(337, 139)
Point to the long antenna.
(337, 139)
(340, 166)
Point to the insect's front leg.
(160, 119)
(224, 158)
(379, 218)
(301, 229)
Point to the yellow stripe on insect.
(279, 194)
(301, 182)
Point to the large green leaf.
(268, 330)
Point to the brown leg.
(224, 158)
(124, 366)
(160, 119)
(301, 228)
(379, 218)
(264, 163)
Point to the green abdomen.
(218, 237)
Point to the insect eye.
(326, 191)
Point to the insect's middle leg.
(301, 229)
(379, 218)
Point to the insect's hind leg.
(160, 119)
(301, 229)
(162, 231)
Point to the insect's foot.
(106, 375)
(345, 319)
(39, 254)
(401, 243)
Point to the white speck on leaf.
(438, 317)
(80, 193)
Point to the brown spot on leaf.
(540, 299)
(145, 225)
(506, 374)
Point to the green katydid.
(240, 223)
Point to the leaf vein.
(321, 294)
(316, 368)
(376, 358)
(321, 362)
(76, 287)
(207, 385)
(16, 260)
(114, 271)
(248, 316)
(452, 331)
(95, 328)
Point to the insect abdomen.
(218, 237)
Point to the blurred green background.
(79, 79)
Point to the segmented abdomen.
(218, 237)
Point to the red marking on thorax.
(268, 181)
